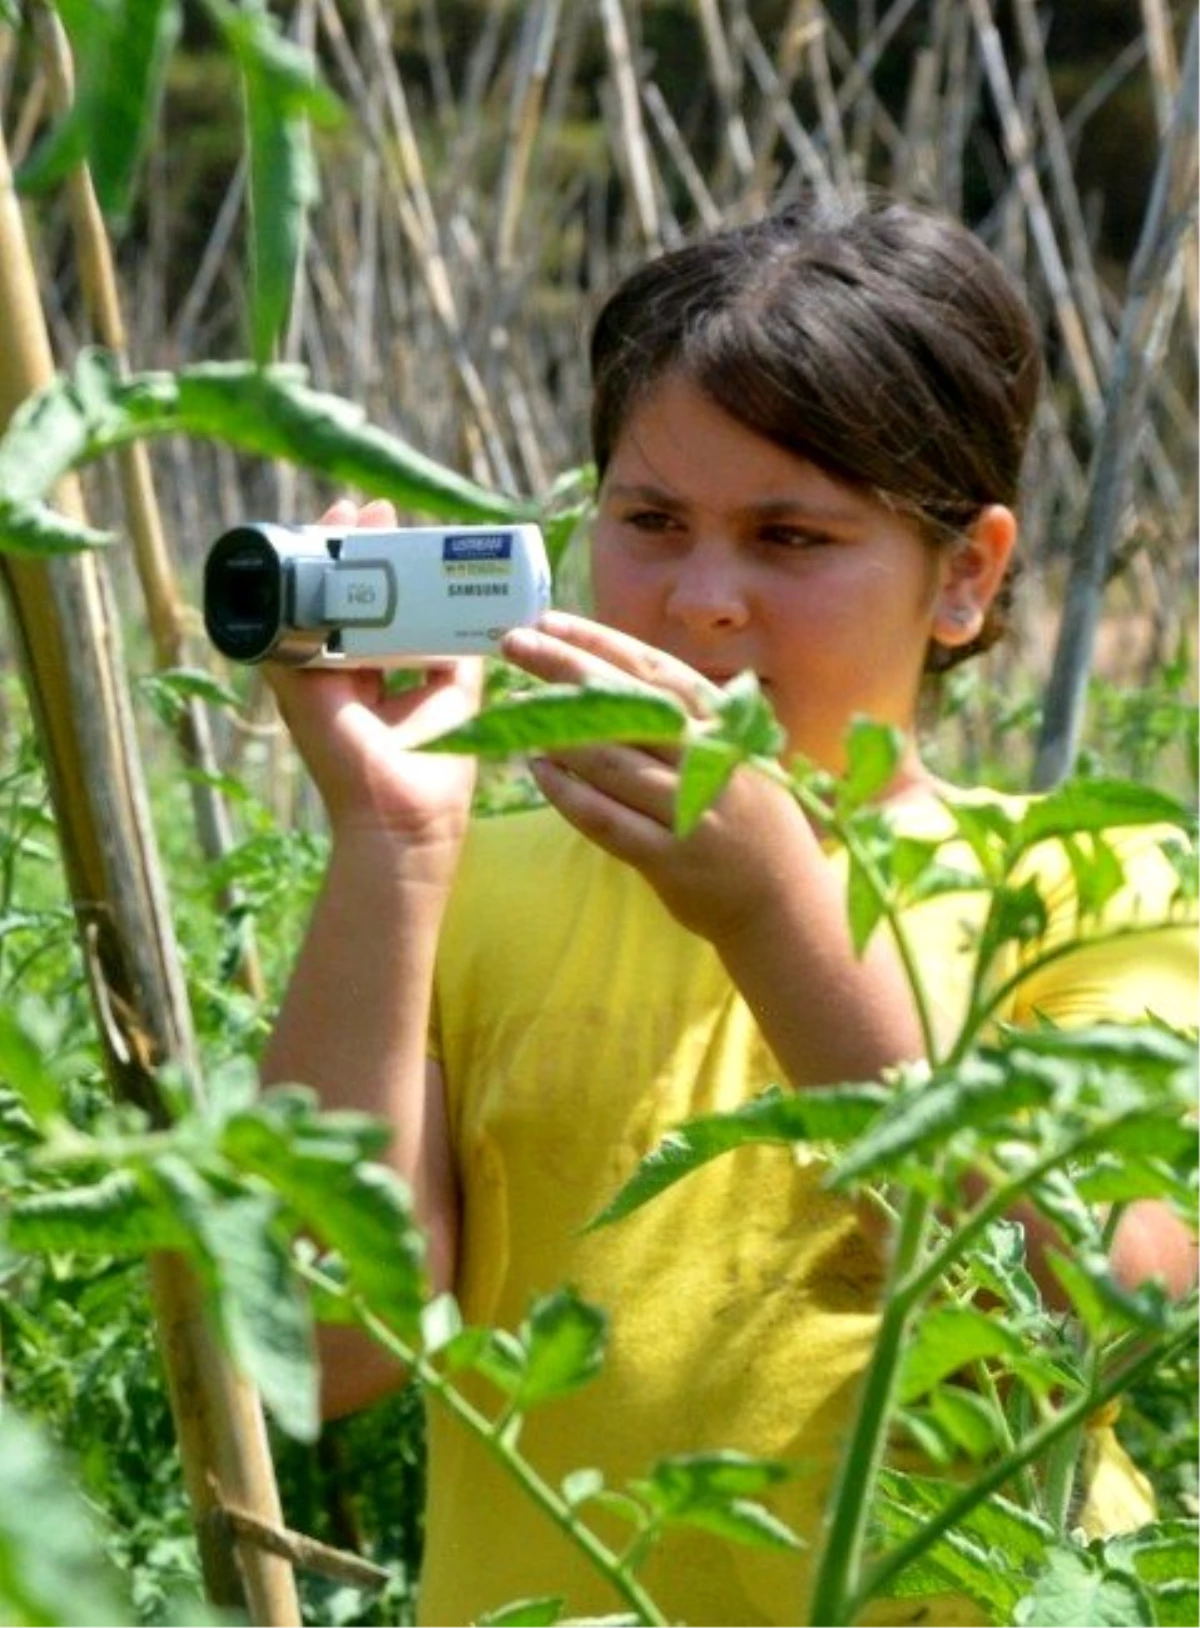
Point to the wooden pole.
(165, 614)
(68, 638)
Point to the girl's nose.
(709, 594)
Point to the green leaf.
(922, 1116)
(744, 719)
(53, 1565)
(34, 532)
(170, 691)
(1018, 914)
(962, 1560)
(531, 1613)
(968, 1419)
(865, 903)
(23, 1062)
(1077, 1588)
(113, 1216)
(948, 1338)
(260, 1303)
(1159, 1553)
(1097, 805)
(705, 770)
(564, 1342)
(318, 1163)
(120, 50)
(836, 1113)
(266, 412)
(555, 717)
(714, 1492)
(872, 757)
(281, 95)
(997, 1262)
(1097, 872)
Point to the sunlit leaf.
(963, 1560)
(531, 1613)
(33, 531)
(704, 771)
(554, 718)
(262, 1309)
(581, 1485)
(282, 94)
(1158, 1553)
(267, 412)
(774, 1117)
(24, 1066)
(321, 1166)
(1097, 805)
(1076, 1586)
(564, 1341)
(54, 1567)
(113, 1216)
(998, 1264)
(872, 757)
(948, 1338)
(745, 719)
(975, 1092)
(715, 1492)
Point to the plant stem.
(497, 1442)
(843, 829)
(836, 1585)
(1071, 1418)
(998, 1201)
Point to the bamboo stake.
(1164, 83)
(632, 147)
(1020, 156)
(536, 49)
(816, 21)
(1154, 286)
(726, 80)
(68, 636)
(166, 616)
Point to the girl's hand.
(748, 846)
(361, 745)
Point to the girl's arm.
(353, 1023)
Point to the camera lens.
(243, 594)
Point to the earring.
(959, 615)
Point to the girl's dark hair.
(880, 341)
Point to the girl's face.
(731, 553)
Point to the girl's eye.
(649, 520)
(794, 537)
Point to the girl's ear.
(973, 568)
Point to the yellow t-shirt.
(577, 1023)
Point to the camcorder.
(332, 596)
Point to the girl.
(809, 435)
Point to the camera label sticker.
(475, 546)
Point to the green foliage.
(52, 1566)
(120, 49)
(271, 412)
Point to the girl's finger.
(611, 824)
(634, 779)
(570, 649)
